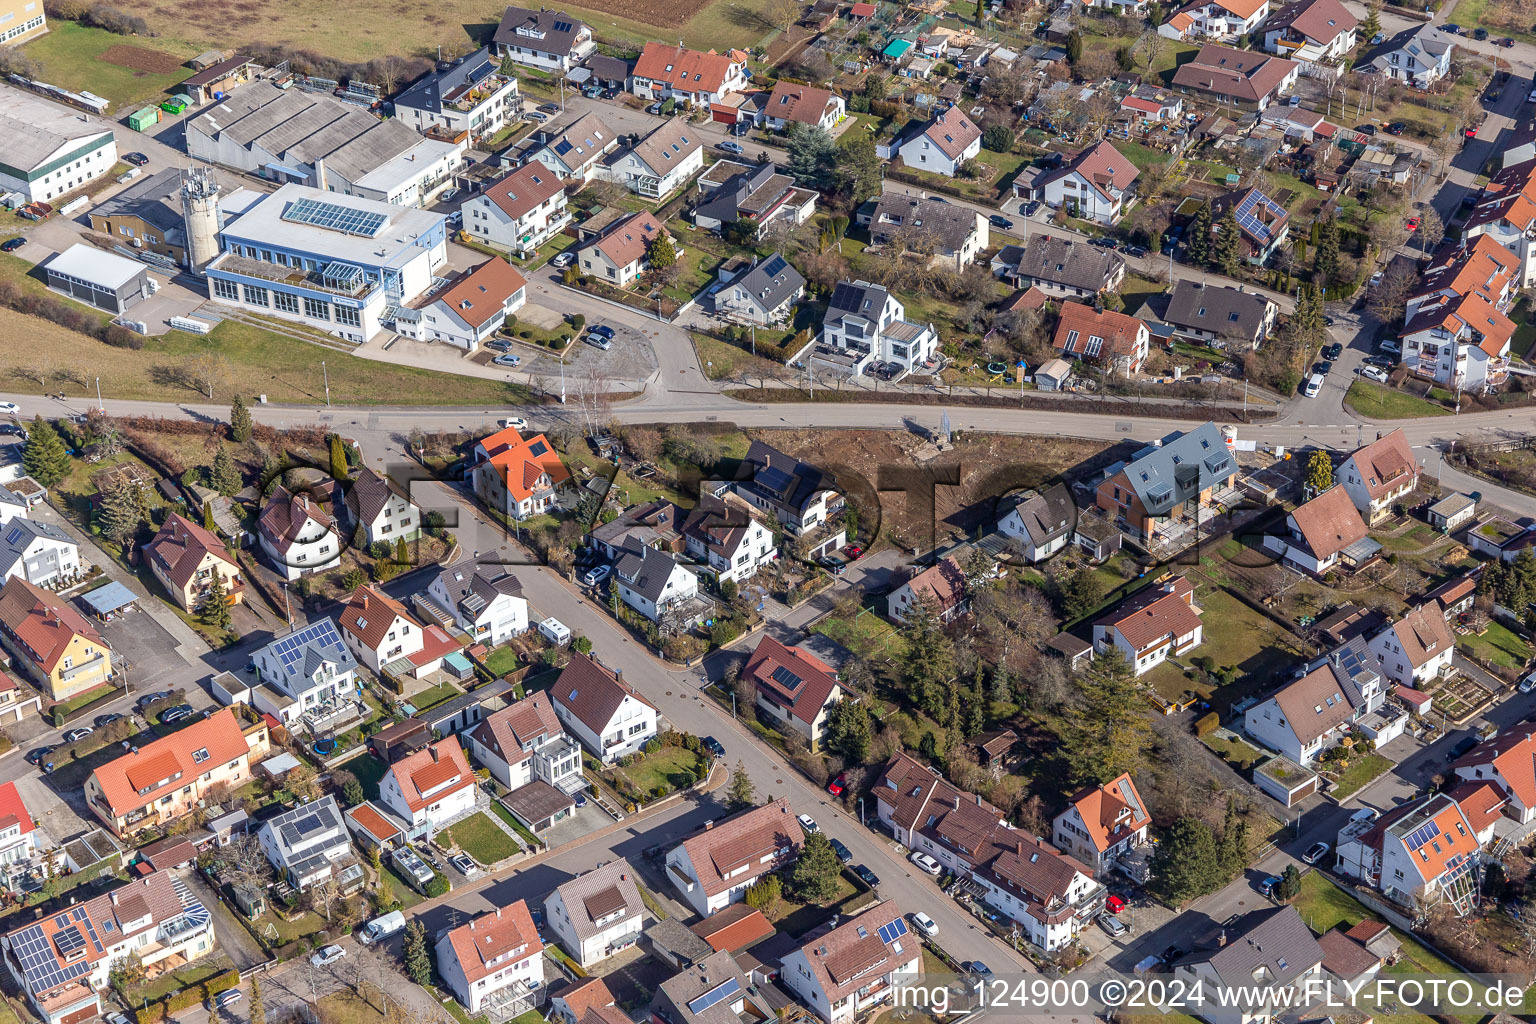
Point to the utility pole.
(327, 375)
(99, 406)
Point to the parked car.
(927, 863)
(1390, 345)
(1464, 745)
(999, 221)
(596, 575)
(808, 823)
(75, 735)
(1135, 251)
(534, 115)
(12, 244)
(464, 863)
(1395, 128)
(499, 345)
(115, 1018)
(1267, 885)
(9, 407)
(1173, 952)
(601, 331)
(1374, 373)
(853, 550)
(730, 147)
(225, 999)
(837, 785)
(925, 924)
(1528, 683)
(844, 855)
(597, 341)
(563, 259)
(550, 108)
(1315, 853)
(714, 747)
(1451, 27)
(1366, 129)
(1471, 133)
(170, 716)
(654, 108)
(1324, 367)
(328, 955)
(1385, 362)
(1112, 925)
(137, 159)
(38, 756)
(741, 128)
(1365, 814)
(1031, 207)
(867, 876)
(1335, 350)
(1479, 33)
(1102, 243)
(977, 968)
(449, 196)
(508, 359)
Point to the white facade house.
(1041, 524)
(622, 253)
(1311, 30)
(50, 149)
(1416, 648)
(1379, 475)
(1094, 185)
(481, 597)
(597, 914)
(518, 476)
(660, 162)
(385, 515)
(731, 542)
(469, 310)
(819, 973)
(1417, 854)
(297, 535)
(336, 263)
(766, 294)
(1152, 625)
(864, 323)
(430, 788)
(1272, 947)
(575, 152)
(309, 672)
(1506, 211)
(40, 553)
(608, 717)
(308, 844)
(1420, 56)
(378, 630)
(470, 95)
(653, 582)
(495, 963)
(1505, 761)
(19, 834)
(1101, 824)
(1221, 20)
(524, 743)
(520, 212)
(941, 145)
(714, 868)
(1314, 712)
(687, 76)
(545, 39)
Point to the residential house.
(711, 990)
(759, 193)
(575, 152)
(50, 642)
(688, 76)
(384, 515)
(545, 39)
(940, 145)
(660, 162)
(1219, 316)
(494, 965)
(1455, 329)
(1094, 185)
(1508, 761)
(1063, 267)
(1416, 854)
(1379, 475)
(949, 234)
(158, 782)
(184, 557)
(1105, 337)
(865, 323)
(1311, 30)
(1040, 523)
(940, 587)
(1506, 212)
(38, 552)
(1455, 595)
(430, 789)
(801, 497)
(520, 212)
(308, 844)
(735, 929)
(622, 254)
(1167, 480)
(517, 476)
(610, 72)
(61, 962)
(1101, 824)
(1269, 947)
(655, 524)
(792, 103)
(727, 539)
(1495, 536)
(1262, 224)
(15, 702)
(606, 715)
(1156, 623)
(1151, 106)
(524, 743)
(571, 1004)
(307, 678)
(297, 535)
(1321, 532)
(844, 973)
(1419, 56)
(479, 596)
(715, 867)
(1238, 78)
(764, 295)
(469, 94)
(1416, 648)
(597, 914)
(1225, 20)
(468, 310)
(1452, 512)
(1322, 706)
(20, 837)
(794, 687)
(1347, 958)
(655, 584)
(382, 635)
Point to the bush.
(438, 886)
(1207, 724)
(998, 138)
(764, 893)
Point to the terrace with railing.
(338, 279)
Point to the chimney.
(498, 911)
(1020, 845)
(709, 825)
(1221, 940)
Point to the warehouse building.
(102, 279)
(21, 19)
(47, 150)
(146, 215)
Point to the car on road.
(224, 999)
(844, 855)
(515, 422)
(1466, 744)
(563, 259)
(1324, 367)
(1267, 885)
(729, 146)
(12, 244)
(927, 863)
(1451, 27)
(925, 924)
(115, 1018)
(1335, 350)
(149, 698)
(10, 407)
(137, 159)
(1135, 251)
(328, 955)
(1313, 385)
(1395, 128)
(75, 735)
(1412, 224)
(997, 220)
(808, 823)
(1112, 925)
(1528, 683)
(1031, 207)
(866, 876)
(170, 716)
(38, 756)
(1506, 42)
(508, 359)
(837, 785)
(714, 747)
(977, 968)
(550, 108)
(1479, 33)
(596, 575)
(601, 331)
(464, 863)
(1315, 853)
(1374, 373)
(1366, 129)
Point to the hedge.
(1207, 724)
(187, 998)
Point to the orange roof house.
(518, 476)
(50, 641)
(941, 586)
(498, 955)
(184, 556)
(663, 70)
(793, 685)
(1152, 624)
(1115, 339)
(431, 785)
(1101, 823)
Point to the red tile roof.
(378, 826)
(1120, 335)
(13, 810)
(505, 731)
(181, 546)
(1512, 758)
(432, 773)
(584, 995)
(772, 662)
(685, 70)
(1385, 463)
(1112, 811)
(804, 104)
(506, 931)
(744, 840)
(943, 584)
(1225, 71)
(592, 692)
(952, 132)
(734, 928)
(521, 462)
(1329, 523)
(286, 516)
(628, 240)
(856, 952)
(1102, 166)
(484, 291)
(1161, 610)
(1321, 21)
(371, 614)
(140, 778)
(42, 621)
(1423, 634)
(1345, 957)
(1482, 802)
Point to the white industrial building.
(312, 139)
(338, 263)
(47, 150)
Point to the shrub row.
(67, 315)
(102, 16)
(187, 998)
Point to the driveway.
(234, 940)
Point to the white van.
(1314, 385)
(555, 631)
(381, 928)
(128, 175)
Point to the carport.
(110, 601)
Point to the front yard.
(1497, 646)
(655, 775)
(1359, 772)
(1380, 403)
(481, 838)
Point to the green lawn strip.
(1233, 751)
(481, 838)
(1376, 402)
(1142, 156)
(664, 770)
(501, 661)
(369, 771)
(1135, 290)
(721, 359)
(175, 981)
(431, 698)
(1497, 645)
(516, 826)
(865, 634)
(70, 55)
(288, 929)
(1361, 771)
(404, 891)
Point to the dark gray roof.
(609, 69)
(772, 281)
(474, 584)
(18, 534)
(1180, 466)
(1354, 667)
(1421, 40)
(950, 223)
(1216, 308)
(1070, 264)
(547, 31)
(435, 716)
(1049, 515)
(856, 298)
(724, 202)
(428, 91)
(1009, 256)
(784, 479)
(1265, 947)
(369, 495)
(153, 200)
(646, 571)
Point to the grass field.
(1497, 645)
(71, 57)
(1378, 403)
(483, 839)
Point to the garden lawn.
(1234, 636)
(1497, 645)
(1135, 290)
(865, 634)
(483, 839)
(668, 769)
(501, 661)
(431, 698)
(369, 771)
(722, 360)
(1233, 751)
(1142, 156)
(1376, 402)
(174, 981)
(307, 923)
(70, 55)
(1361, 771)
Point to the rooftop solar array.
(787, 679)
(346, 219)
(290, 649)
(725, 990)
(889, 933)
(1423, 834)
(37, 957)
(1249, 212)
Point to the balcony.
(295, 277)
(1091, 904)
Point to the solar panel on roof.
(787, 679)
(1423, 834)
(537, 448)
(889, 933)
(725, 990)
(346, 219)
(68, 940)
(562, 147)
(772, 479)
